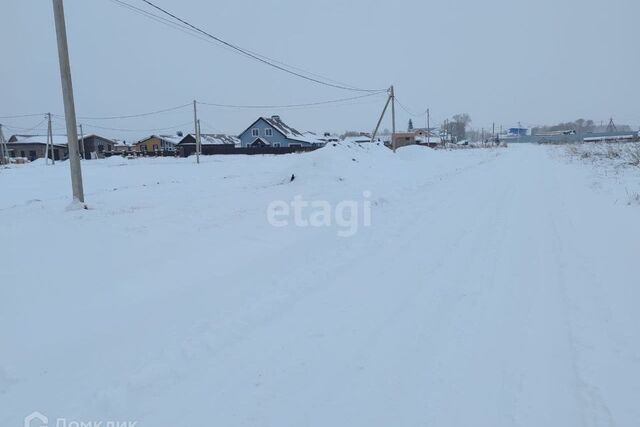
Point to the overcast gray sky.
(506, 61)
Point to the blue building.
(273, 132)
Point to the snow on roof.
(291, 133)
(286, 130)
(173, 139)
(38, 139)
(218, 139)
(214, 139)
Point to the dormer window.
(268, 132)
(255, 132)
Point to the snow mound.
(414, 152)
(340, 161)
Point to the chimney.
(275, 118)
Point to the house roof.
(171, 139)
(282, 127)
(286, 130)
(37, 139)
(93, 135)
(218, 139)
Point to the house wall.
(403, 139)
(150, 144)
(36, 151)
(97, 145)
(246, 138)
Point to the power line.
(138, 130)
(162, 20)
(309, 104)
(199, 36)
(260, 58)
(211, 104)
(22, 115)
(409, 111)
(151, 113)
(189, 31)
(22, 129)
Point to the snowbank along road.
(493, 287)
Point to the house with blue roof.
(273, 132)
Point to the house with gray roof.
(33, 147)
(211, 143)
(273, 132)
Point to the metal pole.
(384, 110)
(69, 105)
(50, 141)
(393, 119)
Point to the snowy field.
(493, 287)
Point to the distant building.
(158, 143)
(404, 138)
(121, 147)
(33, 147)
(273, 132)
(427, 136)
(187, 146)
(94, 146)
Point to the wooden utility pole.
(49, 149)
(198, 141)
(82, 143)
(384, 110)
(428, 126)
(69, 104)
(4, 150)
(196, 132)
(393, 119)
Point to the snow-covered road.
(493, 288)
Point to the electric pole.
(69, 104)
(49, 149)
(198, 141)
(428, 126)
(393, 119)
(82, 142)
(384, 110)
(196, 132)
(4, 151)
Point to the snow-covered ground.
(615, 168)
(494, 287)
